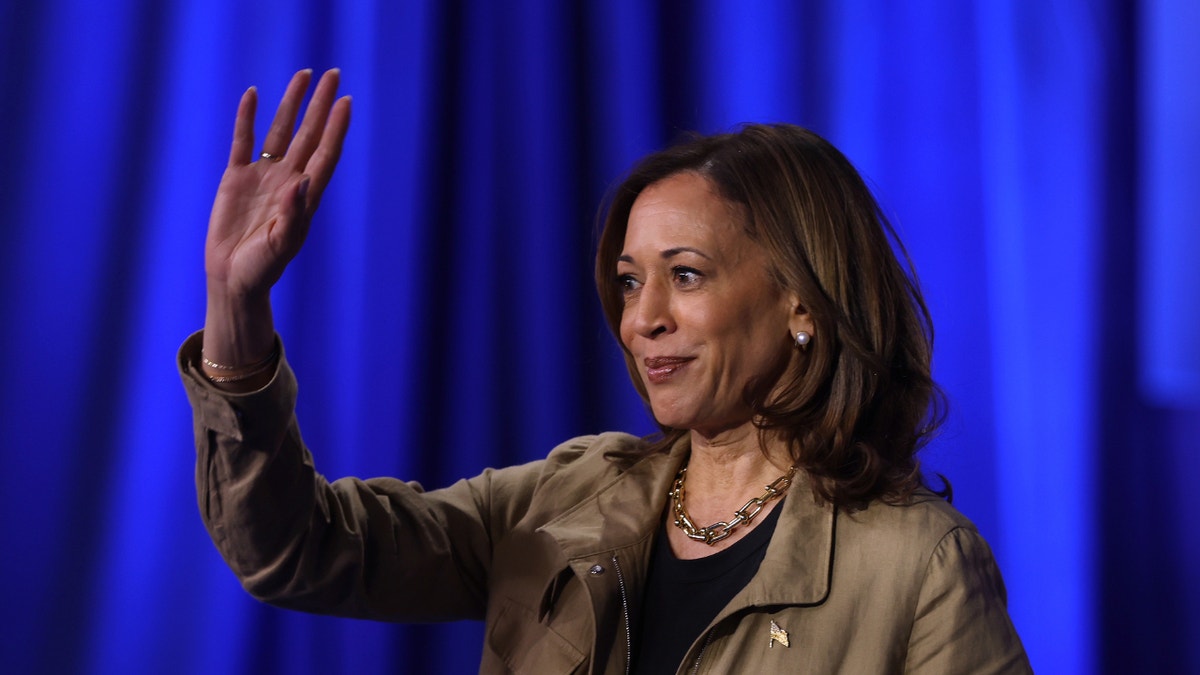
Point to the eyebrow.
(670, 253)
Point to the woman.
(782, 349)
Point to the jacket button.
(596, 570)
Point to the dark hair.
(855, 410)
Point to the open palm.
(263, 207)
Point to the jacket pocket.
(525, 645)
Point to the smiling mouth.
(660, 369)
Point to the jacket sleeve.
(378, 548)
(962, 623)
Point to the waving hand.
(262, 211)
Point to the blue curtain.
(1040, 159)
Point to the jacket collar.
(798, 566)
(625, 512)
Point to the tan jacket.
(552, 556)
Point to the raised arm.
(259, 221)
(370, 549)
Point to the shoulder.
(585, 463)
(931, 579)
(578, 466)
(610, 447)
(913, 539)
(938, 538)
(912, 554)
(923, 519)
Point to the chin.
(690, 420)
(671, 422)
(671, 417)
(675, 418)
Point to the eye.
(686, 276)
(627, 283)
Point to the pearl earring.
(802, 340)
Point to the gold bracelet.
(240, 376)
(239, 373)
(216, 366)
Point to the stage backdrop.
(1041, 159)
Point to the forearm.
(249, 463)
(369, 549)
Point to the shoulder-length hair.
(861, 401)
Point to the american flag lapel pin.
(778, 635)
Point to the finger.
(280, 133)
(315, 118)
(242, 149)
(324, 161)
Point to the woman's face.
(703, 319)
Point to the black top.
(683, 596)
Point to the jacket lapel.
(798, 565)
(624, 512)
(606, 540)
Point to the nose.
(649, 315)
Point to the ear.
(800, 319)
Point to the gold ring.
(269, 156)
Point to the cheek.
(623, 328)
(625, 331)
(760, 344)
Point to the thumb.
(294, 220)
(302, 195)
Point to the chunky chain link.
(720, 530)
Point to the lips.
(659, 369)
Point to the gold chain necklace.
(719, 530)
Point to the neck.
(734, 464)
(722, 475)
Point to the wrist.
(239, 329)
(240, 375)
